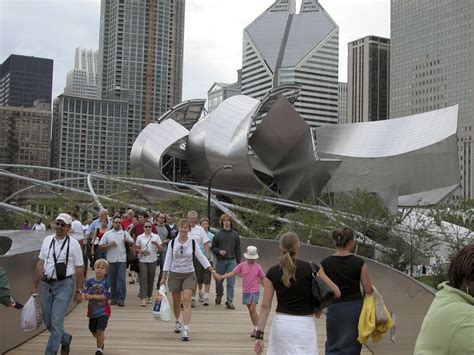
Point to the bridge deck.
(132, 329)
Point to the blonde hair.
(289, 244)
(101, 262)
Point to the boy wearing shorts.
(97, 292)
(252, 275)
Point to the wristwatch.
(78, 291)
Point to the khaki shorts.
(178, 281)
(203, 276)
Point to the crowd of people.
(188, 256)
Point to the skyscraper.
(23, 80)
(342, 102)
(432, 66)
(282, 47)
(25, 139)
(368, 79)
(141, 49)
(82, 80)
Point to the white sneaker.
(143, 304)
(206, 301)
(177, 327)
(185, 335)
(193, 303)
(201, 298)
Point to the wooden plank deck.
(132, 329)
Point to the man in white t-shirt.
(60, 259)
(76, 225)
(39, 225)
(202, 241)
(113, 242)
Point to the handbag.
(323, 295)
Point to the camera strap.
(53, 245)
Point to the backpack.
(194, 248)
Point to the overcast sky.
(213, 33)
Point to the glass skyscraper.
(432, 66)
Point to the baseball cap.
(65, 218)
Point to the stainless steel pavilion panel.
(284, 142)
(414, 154)
(148, 150)
(226, 142)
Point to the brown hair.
(342, 236)
(462, 267)
(205, 219)
(226, 216)
(289, 245)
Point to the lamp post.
(226, 167)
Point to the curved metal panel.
(226, 142)
(196, 153)
(416, 153)
(186, 113)
(389, 137)
(151, 145)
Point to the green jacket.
(448, 327)
(5, 295)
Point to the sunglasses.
(182, 248)
(147, 227)
(60, 224)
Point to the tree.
(365, 213)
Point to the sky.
(213, 34)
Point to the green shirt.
(448, 327)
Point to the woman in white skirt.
(293, 328)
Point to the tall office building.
(23, 80)
(342, 110)
(25, 139)
(88, 135)
(82, 80)
(432, 66)
(141, 49)
(368, 79)
(283, 47)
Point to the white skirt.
(293, 335)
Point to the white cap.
(251, 252)
(65, 218)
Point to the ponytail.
(289, 245)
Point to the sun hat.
(251, 253)
(65, 218)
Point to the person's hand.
(85, 297)
(258, 346)
(216, 276)
(222, 252)
(317, 314)
(163, 280)
(113, 244)
(78, 298)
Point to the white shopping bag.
(31, 314)
(165, 309)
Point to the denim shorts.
(252, 297)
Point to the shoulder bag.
(323, 295)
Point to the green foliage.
(180, 206)
(312, 225)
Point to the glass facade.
(432, 66)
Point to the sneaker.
(177, 327)
(143, 304)
(113, 302)
(193, 303)
(185, 335)
(201, 297)
(252, 335)
(206, 301)
(218, 299)
(149, 301)
(229, 305)
(121, 303)
(98, 352)
(65, 349)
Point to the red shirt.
(126, 222)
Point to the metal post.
(226, 167)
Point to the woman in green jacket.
(448, 327)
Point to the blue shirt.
(96, 309)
